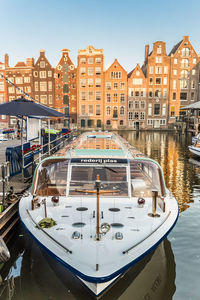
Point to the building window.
(115, 112)
(43, 99)
(165, 69)
(193, 72)
(83, 111)
(43, 74)
(98, 71)
(184, 74)
(90, 123)
(83, 96)
(90, 83)
(159, 49)
(108, 122)
(11, 79)
(142, 115)
(82, 123)
(98, 123)
(165, 80)
(164, 109)
(50, 99)
(136, 104)
(18, 80)
(130, 104)
(184, 63)
(156, 109)
(193, 84)
(50, 86)
(183, 96)
(150, 80)
(174, 96)
(98, 60)
(115, 75)
(175, 72)
(83, 83)
(192, 96)
(122, 110)
(158, 59)
(27, 80)
(108, 97)
(183, 84)
(151, 70)
(82, 60)
(49, 73)
(108, 85)
(122, 98)
(174, 84)
(185, 52)
(137, 93)
(98, 110)
(165, 94)
(90, 109)
(158, 93)
(150, 109)
(150, 93)
(83, 71)
(108, 110)
(115, 85)
(90, 96)
(98, 95)
(115, 98)
(158, 70)
(43, 86)
(130, 115)
(136, 115)
(137, 81)
(1, 86)
(172, 111)
(90, 71)
(122, 85)
(175, 61)
(65, 88)
(42, 64)
(131, 92)
(194, 61)
(98, 82)
(27, 89)
(121, 122)
(90, 61)
(142, 104)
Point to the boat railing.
(5, 174)
(34, 156)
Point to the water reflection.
(171, 151)
(32, 274)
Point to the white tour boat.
(98, 207)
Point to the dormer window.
(159, 49)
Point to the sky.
(121, 27)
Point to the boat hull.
(194, 150)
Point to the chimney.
(6, 60)
(186, 38)
(42, 52)
(65, 50)
(30, 62)
(146, 53)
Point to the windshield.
(51, 178)
(146, 176)
(112, 178)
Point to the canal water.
(172, 271)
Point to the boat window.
(112, 178)
(51, 178)
(145, 177)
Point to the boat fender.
(4, 252)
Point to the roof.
(174, 49)
(195, 105)
(20, 64)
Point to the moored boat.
(99, 207)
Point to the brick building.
(19, 80)
(136, 99)
(43, 81)
(90, 88)
(184, 77)
(157, 71)
(66, 88)
(115, 98)
(3, 95)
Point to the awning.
(195, 105)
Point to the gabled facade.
(115, 98)
(158, 80)
(184, 77)
(66, 89)
(137, 103)
(43, 81)
(90, 88)
(19, 80)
